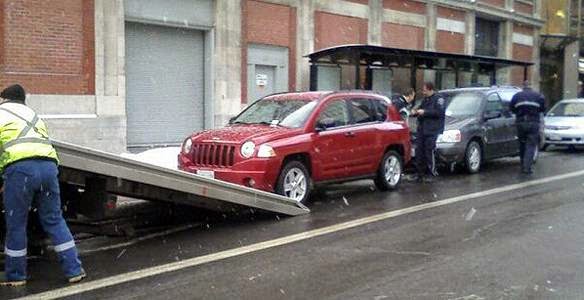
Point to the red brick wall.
(48, 46)
(500, 3)
(451, 14)
(332, 30)
(402, 36)
(405, 5)
(523, 8)
(447, 41)
(523, 29)
(268, 24)
(521, 52)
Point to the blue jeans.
(27, 182)
(528, 135)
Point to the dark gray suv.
(479, 127)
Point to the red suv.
(287, 143)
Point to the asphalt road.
(504, 237)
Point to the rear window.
(464, 104)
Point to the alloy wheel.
(392, 170)
(295, 184)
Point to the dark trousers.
(425, 150)
(26, 183)
(528, 134)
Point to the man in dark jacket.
(431, 115)
(402, 103)
(528, 106)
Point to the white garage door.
(164, 83)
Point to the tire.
(389, 173)
(288, 186)
(545, 147)
(473, 157)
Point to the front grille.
(213, 155)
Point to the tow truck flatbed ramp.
(100, 173)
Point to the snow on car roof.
(307, 96)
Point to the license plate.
(554, 138)
(208, 174)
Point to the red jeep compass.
(286, 143)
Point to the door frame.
(266, 55)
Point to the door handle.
(350, 134)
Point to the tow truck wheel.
(390, 172)
(473, 157)
(294, 182)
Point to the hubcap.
(392, 170)
(475, 158)
(295, 184)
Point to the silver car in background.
(564, 124)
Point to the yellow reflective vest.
(22, 135)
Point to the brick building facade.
(74, 60)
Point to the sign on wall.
(261, 80)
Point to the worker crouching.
(29, 168)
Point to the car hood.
(565, 121)
(458, 122)
(239, 134)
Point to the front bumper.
(260, 174)
(450, 152)
(564, 137)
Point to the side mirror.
(493, 115)
(324, 124)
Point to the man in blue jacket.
(528, 106)
(431, 115)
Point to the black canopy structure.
(364, 60)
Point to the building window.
(487, 37)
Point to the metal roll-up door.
(164, 83)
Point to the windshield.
(506, 96)
(288, 113)
(567, 110)
(464, 104)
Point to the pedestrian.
(431, 115)
(528, 106)
(28, 163)
(402, 103)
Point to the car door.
(332, 144)
(364, 150)
(497, 128)
(513, 141)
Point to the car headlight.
(187, 146)
(247, 149)
(450, 136)
(266, 151)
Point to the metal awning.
(377, 55)
(374, 57)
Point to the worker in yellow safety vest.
(28, 163)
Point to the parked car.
(286, 143)
(564, 124)
(479, 127)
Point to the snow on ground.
(163, 157)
